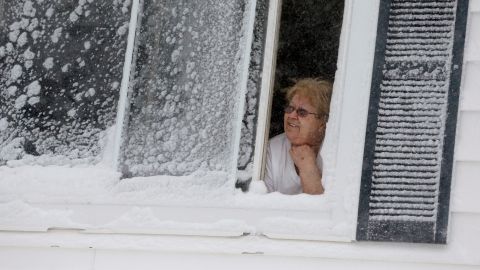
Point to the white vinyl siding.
(466, 181)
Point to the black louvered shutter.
(410, 136)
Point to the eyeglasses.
(300, 111)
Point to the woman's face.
(307, 130)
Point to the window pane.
(249, 123)
(185, 98)
(61, 65)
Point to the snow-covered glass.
(186, 93)
(61, 66)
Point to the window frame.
(343, 160)
(128, 71)
(266, 89)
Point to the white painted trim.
(88, 259)
(351, 95)
(463, 249)
(124, 86)
(248, 29)
(266, 92)
(175, 220)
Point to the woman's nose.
(293, 114)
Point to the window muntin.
(250, 118)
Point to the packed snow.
(24, 186)
(62, 181)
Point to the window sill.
(18, 216)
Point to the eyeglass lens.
(300, 111)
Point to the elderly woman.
(294, 164)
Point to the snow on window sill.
(93, 200)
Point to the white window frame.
(266, 90)
(343, 150)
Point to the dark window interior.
(307, 47)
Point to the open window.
(302, 41)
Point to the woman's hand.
(305, 159)
(303, 156)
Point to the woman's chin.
(292, 132)
(294, 140)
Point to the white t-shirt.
(280, 172)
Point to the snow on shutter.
(60, 70)
(188, 86)
(410, 136)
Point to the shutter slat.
(405, 177)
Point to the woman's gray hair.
(317, 91)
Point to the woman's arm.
(305, 159)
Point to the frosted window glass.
(185, 94)
(60, 69)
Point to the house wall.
(74, 259)
(467, 153)
(71, 249)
